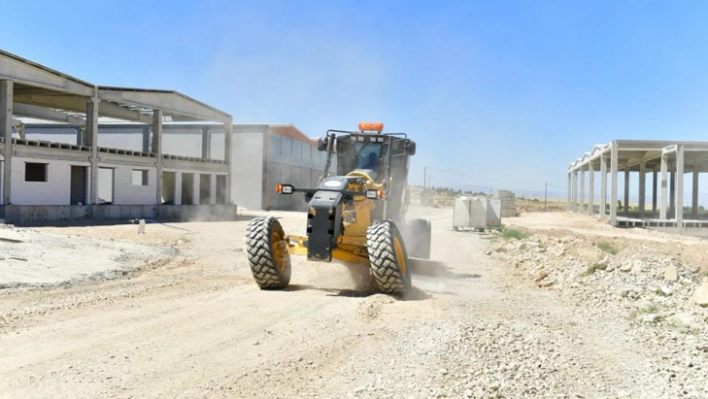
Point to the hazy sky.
(505, 93)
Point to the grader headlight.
(284, 189)
(374, 194)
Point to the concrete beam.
(669, 149)
(191, 166)
(118, 112)
(614, 182)
(652, 145)
(25, 151)
(6, 102)
(679, 184)
(172, 103)
(18, 69)
(157, 149)
(33, 111)
(78, 104)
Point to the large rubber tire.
(388, 258)
(419, 238)
(267, 253)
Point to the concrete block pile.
(508, 203)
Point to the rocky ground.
(653, 287)
(506, 318)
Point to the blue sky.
(505, 93)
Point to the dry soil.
(195, 325)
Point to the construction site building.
(660, 200)
(263, 155)
(89, 176)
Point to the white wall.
(124, 139)
(182, 144)
(55, 191)
(58, 134)
(247, 170)
(125, 193)
(217, 145)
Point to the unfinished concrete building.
(264, 154)
(667, 162)
(44, 180)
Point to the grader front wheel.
(268, 254)
(388, 258)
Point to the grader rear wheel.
(419, 238)
(388, 258)
(268, 253)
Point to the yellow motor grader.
(355, 215)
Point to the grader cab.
(356, 214)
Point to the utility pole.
(545, 199)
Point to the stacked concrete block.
(508, 203)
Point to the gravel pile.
(659, 296)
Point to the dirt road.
(197, 326)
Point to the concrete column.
(672, 190)
(157, 149)
(613, 189)
(178, 188)
(6, 94)
(582, 190)
(574, 206)
(626, 192)
(212, 189)
(591, 189)
(664, 168)
(90, 139)
(679, 185)
(569, 189)
(603, 185)
(655, 184)
(228, 135)
(196, 189)
(80, 135)
(206, 143)
(694, 192)
(146, 138)
(642, 188)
